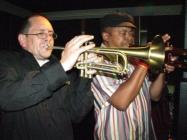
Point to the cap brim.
(127, 24)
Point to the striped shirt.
(112, 124)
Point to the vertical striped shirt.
(111, 124)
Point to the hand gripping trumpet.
(180, 54)
(153, 54)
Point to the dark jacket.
(40, 103)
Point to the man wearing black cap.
(122, 104)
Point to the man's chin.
(46, 56)
(47, 53)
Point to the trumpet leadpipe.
(57, 47)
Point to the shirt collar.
(42, 62)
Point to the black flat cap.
(117, 20)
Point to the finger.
(78, 41)
(91, 71)
(80, 57)
(91, 59)
(99, 59)
(85, 48)
(173, 58)
(169, 68)
(166, 37)
(90, 55)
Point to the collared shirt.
(112, 124)
(42, 62)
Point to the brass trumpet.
(153, 54)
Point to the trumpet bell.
(152, 53)
(157, 54)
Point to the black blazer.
(40, 103)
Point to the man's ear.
(22, 40)
(105, 36)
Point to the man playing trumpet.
(40, 96)
(122, 104)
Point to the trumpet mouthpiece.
(49, 47)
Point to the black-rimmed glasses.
(44, 35)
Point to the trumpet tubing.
(111, 68)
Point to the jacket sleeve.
(17, 92)
(80, 98)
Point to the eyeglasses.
(44, 35)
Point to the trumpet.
(153, 54)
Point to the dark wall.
(9, 26)
(68, 29)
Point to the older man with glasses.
(41, 96)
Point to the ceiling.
(61, 5)
(72, 9)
